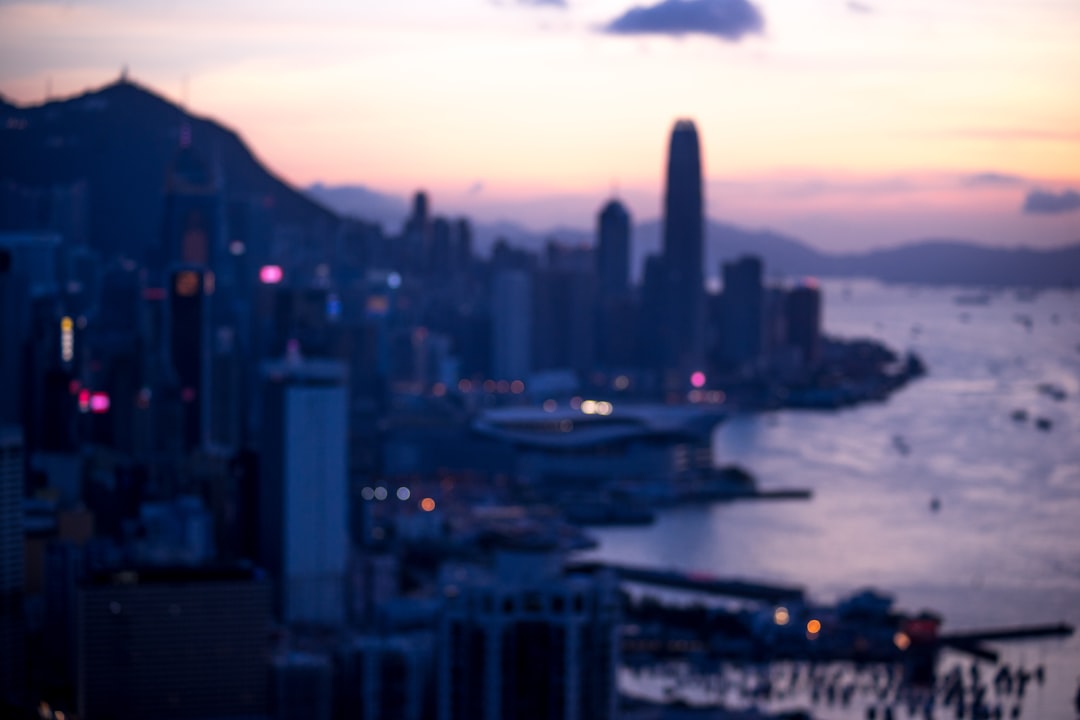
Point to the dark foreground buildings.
(247, 389)
(173, 643)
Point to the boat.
(1044, 424)
(1019, 415)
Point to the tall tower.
(613, 250)
(684, 230)
(303, 494)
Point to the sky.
(851, 124)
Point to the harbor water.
(991, 437)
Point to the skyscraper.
(613, 250)
(684, 230)
(173, 643)
(303, 496)
(12, 659)
(529, 642)
(743, 321)
(189, 291)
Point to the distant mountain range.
(118, 143)
(930, 261)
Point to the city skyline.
(853, 127)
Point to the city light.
(550, 405)
(902, 641)
(393, 281)
(380, 493)
(622, 382)
(517, 387)
(186, 283)
(403, 493)
(236, 248)
(427, 504)
(781, 616)
(697, 379)
(271, 274)
(84, 400)
(813, 627)
(99, 403)
(367, 493)
(67, 339)
(596, 407)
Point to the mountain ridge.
(963, 261)
(117, 143)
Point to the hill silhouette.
(930, 261)
(119, 142)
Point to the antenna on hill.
(184, 92)
(48, 87)
(124, 73)
(614, 188)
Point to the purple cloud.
(1045, 202)
(726, 19)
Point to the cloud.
(1045, 202)
(859, 7)
(476, 188)
(726, 19)
(550, 3)
(991, 179)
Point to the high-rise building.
(684, 230)
(529, 642)
(189, 291)
(804, 322)
(173, 643)
(613, 250)
(743, 320)
(302, 686)
(12, 661)
(303, 494)
(511, 324)
(387, 677)
(191, 222)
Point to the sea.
(1003, 546)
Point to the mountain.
(954, 262)
(359, 201)
(116, 145)
(112, 149)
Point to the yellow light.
(67, 339)
(781, 616)
(588, 407)
(427, 504)
(902, 641)
(813, 627)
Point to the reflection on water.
(1004, 547)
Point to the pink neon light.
(271, 274)
(697, 379)
(99, 403)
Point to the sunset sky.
(849, 124)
